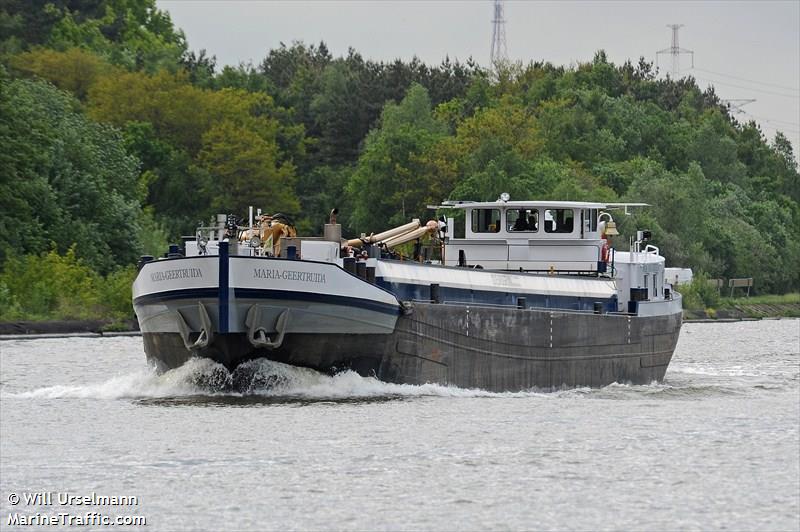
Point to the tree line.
(118, 138)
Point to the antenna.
(499, 50)
(675, 51)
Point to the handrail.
(495, 305)
(650, 248)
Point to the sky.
(746, 49)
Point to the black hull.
(496, 349)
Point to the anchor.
(206, 331)
(258, 335)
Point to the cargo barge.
(515, 295)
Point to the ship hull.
(489, 330)
(468, 346)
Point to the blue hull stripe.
(313, 297)
(173, 295)
(404, 292)
(248, 293)
(420, 292)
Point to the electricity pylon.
(499, 50)
(675, 51)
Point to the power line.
(774, 120)
(774, 123)
(745, 79)
(726, 84)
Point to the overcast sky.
(747, 49)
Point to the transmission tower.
(675, 51)
(499, 50)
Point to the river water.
(716, 446)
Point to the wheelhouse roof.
(499, 204)
(523, 204)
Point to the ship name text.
(288, 275)
(180, 273)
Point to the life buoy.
(604, 252)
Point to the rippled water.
(716, 446)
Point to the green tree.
(245, 170)
(133, 34)
(64, 179)
(74, 70)
(389, 184)
(340, 117)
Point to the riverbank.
(106, 328)
(745, 308)
(68, 327)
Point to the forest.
(117, 138)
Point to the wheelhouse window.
(559, 221)
(485, 220)
(460, 227)
(589, 217)
(522, 220)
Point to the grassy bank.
(766, 306)
(761, 306)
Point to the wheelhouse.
(549, 236)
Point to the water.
(716, 446)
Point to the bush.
(153, 235)
(53, 287)
(115, 293)
(700, 294)
(9, 306)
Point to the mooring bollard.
(349, 265)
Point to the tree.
(245, 170)
(391, 183)
(130, 33)
(64, 179)
(339, 115)
(200, 68)
(74, 70)
(173, 184)
(715, 150)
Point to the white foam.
(734, 371)
(265, 378)
(261, 378)
(144, 383)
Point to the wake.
(261, 377)
(201, 377)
